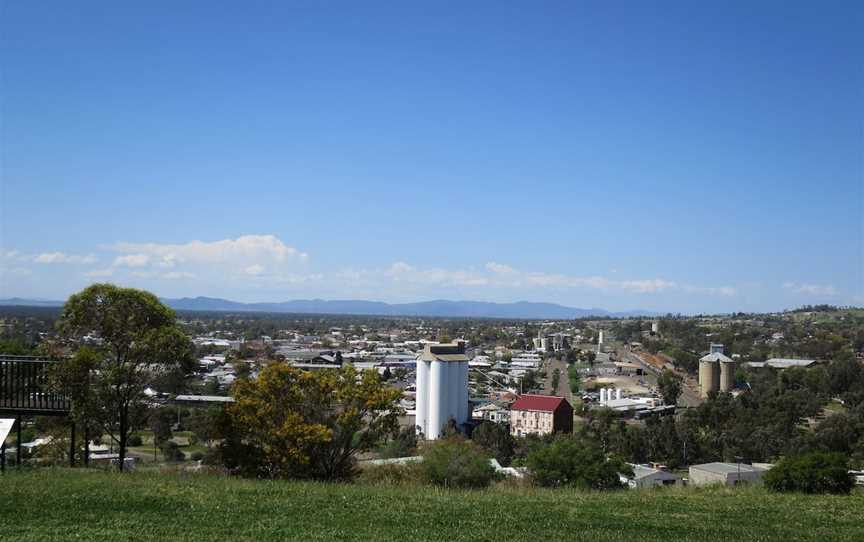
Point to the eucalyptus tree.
(124, 339)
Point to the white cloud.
(500, 268)
(60, 257)
(402, 272)
(98, 273)
(727, 291)
(173, 275)
(248, 248)
(15, 271)
(254, 269)
(811, 289)
(132, 260)
(647, 286)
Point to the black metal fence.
(25, 389)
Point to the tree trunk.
(123, 421)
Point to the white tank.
(454, 394)
(437, 407)
(422, 397)
(464, 408)
(602, 396)
(618, 394)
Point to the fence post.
(18, 447)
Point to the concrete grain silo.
(442, 388)
(716, 371)
(709, 376)
(727, 375)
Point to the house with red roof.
(540, 415)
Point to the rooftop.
(545, 403)
(454, 351)
(726, 468)
(782, 363)
(204, 398)
(717, 356)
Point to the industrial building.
(442, 388)
(716, 371)
(781, 363)
(729, 474)
(647, 476)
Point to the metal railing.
(25, 387)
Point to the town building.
(729, 474)
(540, 415)
(495, 412)
(781, 363)
(645, 476)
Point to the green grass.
(63, 504)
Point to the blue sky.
(674, 156)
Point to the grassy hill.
(63, 504)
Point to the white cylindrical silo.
(436, 410)
(602, 396)
(453, 392)
(464, 409)
(466, 399)
(618, 394)
(422, 397)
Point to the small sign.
(5, 426)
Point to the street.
(563, 382)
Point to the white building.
(442, 388)
(729, 474)
(781, 363)
(492, 412)
(647, 476)
(529, 360)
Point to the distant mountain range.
(438, 308)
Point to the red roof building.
(540, 415)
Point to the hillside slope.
(63, 504)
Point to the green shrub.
(570, 462)
(456, 462)
(135, 440)
(402, 444)
(197, 456)
(172, 452)
(496, 439)
(405, 474)
(816, 472)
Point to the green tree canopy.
(670, 388)
(138, 341)
(312, 424)
(573, 462)
(816, 472)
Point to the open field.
(64, 504)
